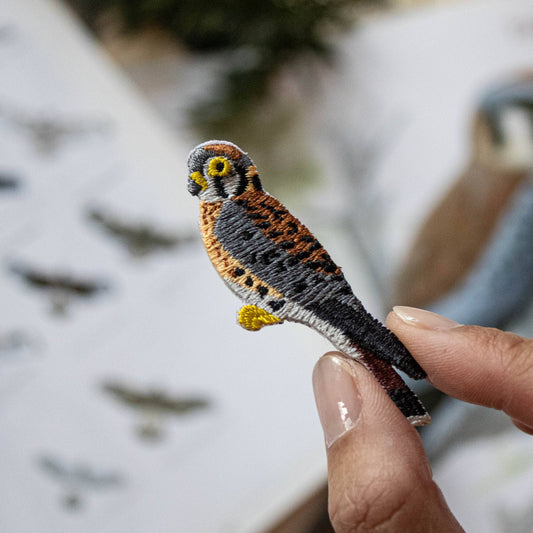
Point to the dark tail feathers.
(404, 398)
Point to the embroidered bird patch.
(271, 261)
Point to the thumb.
(378, 473)
(485, 366)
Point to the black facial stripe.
(217, 180)
(256, 182)
(243, 182)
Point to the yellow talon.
(253, 318)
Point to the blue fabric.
(500, 285)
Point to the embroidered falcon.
(271, 261)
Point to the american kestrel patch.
(271, 261)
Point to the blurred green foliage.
(279, 27)
(263, 34)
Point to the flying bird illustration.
(154, 405)
(141, 239)
(49, 134)
(8, 182)
(62, 287)
(77, 479)
(269, 259)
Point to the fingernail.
(336, 395)
(423, 319)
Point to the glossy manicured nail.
(337, 397)
(423, 319)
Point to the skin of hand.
(379, 476)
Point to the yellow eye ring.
(218, 166)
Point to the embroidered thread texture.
(253, 318)
(270, 260)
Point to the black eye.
(220, 166)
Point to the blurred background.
(400, 131)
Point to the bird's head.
(220, 170)
(503, 126)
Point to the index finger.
(479, 365)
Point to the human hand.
(379, 476)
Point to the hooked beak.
(196, 183)
(193, 187)
(517, 94)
